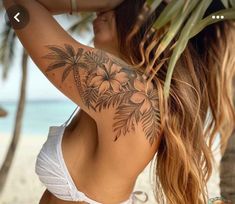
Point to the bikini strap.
(135, 197)
(71, 116)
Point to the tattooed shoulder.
(104, 81)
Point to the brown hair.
(200, 102)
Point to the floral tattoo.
(104, 81)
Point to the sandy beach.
(23, 186)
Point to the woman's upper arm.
(53, 50)
(65, 62)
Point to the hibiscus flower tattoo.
(103, 81)
(109, 79)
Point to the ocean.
(38, 116)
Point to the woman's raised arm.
(64, 6)
(64, 61)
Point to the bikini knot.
(143, 194)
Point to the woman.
(121, 124)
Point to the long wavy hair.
(199, 105)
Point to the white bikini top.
(53, 173)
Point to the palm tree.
(7, 44)
(6, 55)
(18, 123)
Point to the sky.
(38, 86)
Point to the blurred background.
(29, 104)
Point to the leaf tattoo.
(104, 81)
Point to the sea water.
(38, 116)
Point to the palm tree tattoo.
(104, 81)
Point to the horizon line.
(36, 100)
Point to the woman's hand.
(64, 6)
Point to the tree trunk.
(227, 171)
(227, 166)
(4, 171)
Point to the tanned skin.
(116, 132)
(104, 82)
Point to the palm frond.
(148, 9)
(225, 3)
(170, 12)
(186, 20)
(83, 25)
(232, 2)
(4, 42)
(228, 3)
(7, 45)
(183, 40)
(174, 28)
(228, 13)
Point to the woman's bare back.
(79, 146)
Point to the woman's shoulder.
(130, 98)
(129, 122)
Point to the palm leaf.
(174, 28)
(125, 117)
(90, 96)
(58, 52)
(232, 2)
(56, 65)
(153, 5)
(7, 49)
(96, 59)
(176, 13)
(69, 49)
(66, 72)
(227, 13)
(171, 10)
(225, 3)
(228, 3)
(151, 124)
(5, 35)
(109, 99)
(148, 9)
(183, 40)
